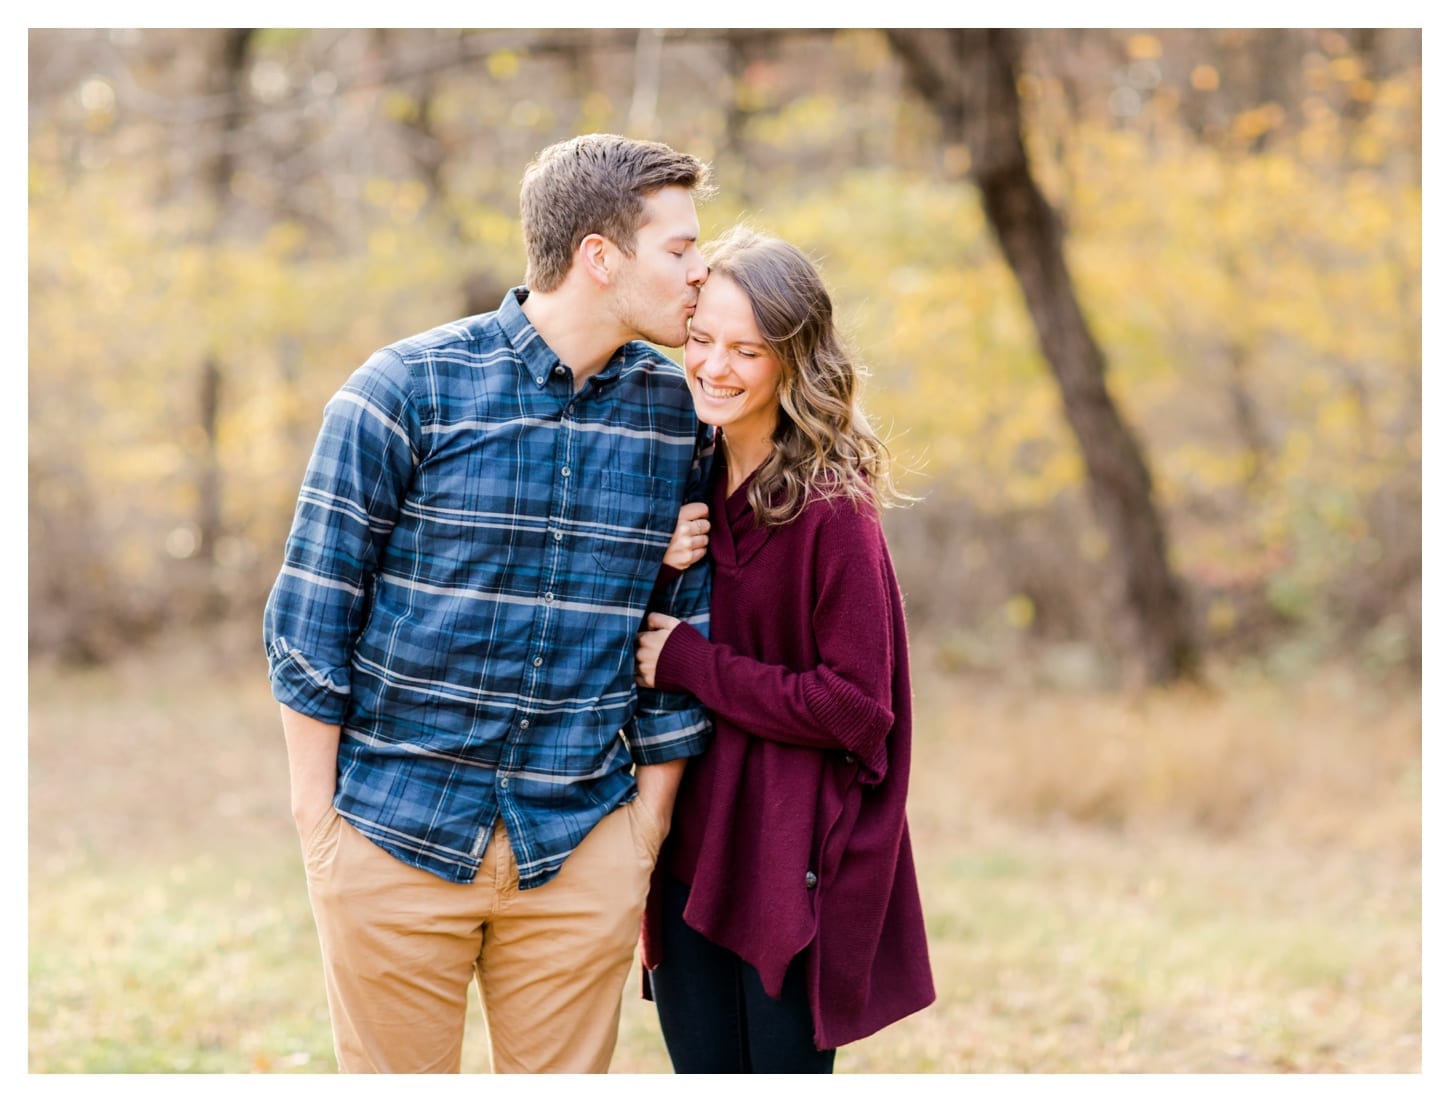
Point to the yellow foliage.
(1345, 69)
(379, 191)
(503, 64)
(285, 239)
(1019, 611)
(1222, 616)
(400, 106)
(595, 111)
(1204, 78)
(808, 119)
(1252, 124)
(1396, 92)
(1341, 416)
(1287, 279)
(383, 242)
(1144, 46)
(1368, 149)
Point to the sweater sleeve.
(843, 703)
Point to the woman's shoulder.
(832, 507)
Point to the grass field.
(1224, 880)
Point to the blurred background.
(1141, 311)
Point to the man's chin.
(669, 339)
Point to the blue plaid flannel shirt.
(474, 548)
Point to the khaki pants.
(400, 945)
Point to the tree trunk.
(644, 104)
(970, 78)
(227, 79)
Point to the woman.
(784, 918)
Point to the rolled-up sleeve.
(346, 510)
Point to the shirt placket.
(536, 671)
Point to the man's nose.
(697, 272)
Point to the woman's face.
(734, 376)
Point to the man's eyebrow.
(684, 237)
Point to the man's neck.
(583, 336)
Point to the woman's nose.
(715, 364)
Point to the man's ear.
(596, 256)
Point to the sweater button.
(811, 880)
(849, 759)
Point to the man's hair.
(595, 183)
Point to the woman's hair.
(823, 445)
(595, 183)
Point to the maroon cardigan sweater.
(791, 828)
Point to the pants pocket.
(649, 835)
(321, 843)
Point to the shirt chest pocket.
(632, 521)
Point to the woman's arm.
(844, 701)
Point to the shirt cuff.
(674, 726)
(299, 685)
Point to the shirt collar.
(534, 353)
(537, 357)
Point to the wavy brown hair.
(823, 445)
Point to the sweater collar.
(739, 539)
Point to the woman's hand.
(648, 646)
(691, 536)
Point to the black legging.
(714, 1012)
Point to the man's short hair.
(595, 183)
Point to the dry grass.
(1332, 760)
(1181, 881)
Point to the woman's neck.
(741, 460)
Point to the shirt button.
(538, 661)
(523, 723)
(549, 597)
(558, 369)
(564, 471)
(569, 408)
(849, 759)
(539, 379)
(503, 782)
(558, 535)
(811, 880)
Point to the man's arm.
(657, 786)
(311, 766)
(669, 727)
(349, 502)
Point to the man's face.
(656, 289)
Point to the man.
(477, 539)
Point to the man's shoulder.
(649, 365)
(651, 380)
(475, 334)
